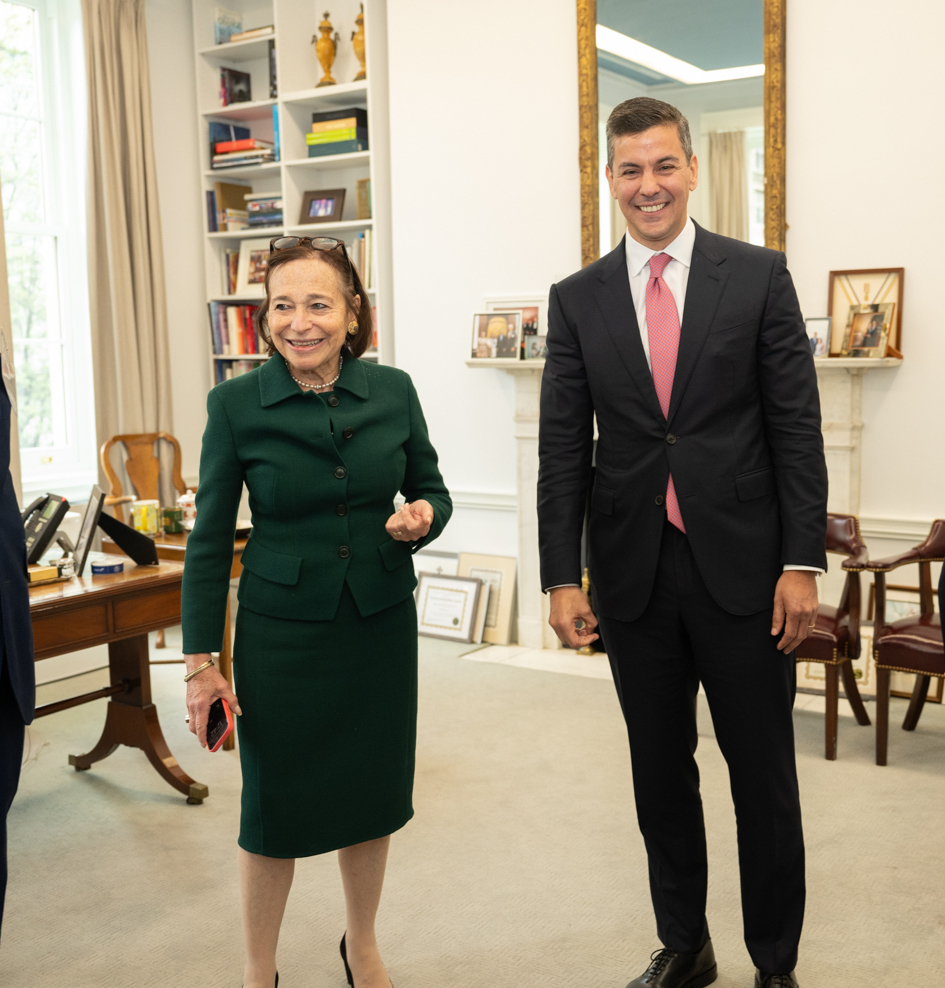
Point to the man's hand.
(568, 606)
(795, 607)
(411, 523)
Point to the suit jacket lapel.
(620, 319)
(706, 284)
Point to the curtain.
(728, 184)
(131, 354)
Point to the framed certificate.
(448, 606)
(498, 576)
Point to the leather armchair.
(834, 640)
(912, 644)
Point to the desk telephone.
(40, 522)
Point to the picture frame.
(498, 577)
(534, 309)
(497, 335)
(856, 299)
(322, 206)
(818, 332)
(448, 606)
(534, 347)
(251, 268)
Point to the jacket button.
(670, 439)
(344, 552)
(659, 498)
(348, 432)
(341, 510)
(341, 473)
(333, 400)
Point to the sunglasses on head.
(316, 243)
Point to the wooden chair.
(912, 644)
(835, 638)
(143, 467)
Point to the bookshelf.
(293, 173)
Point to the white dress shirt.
(676, 277)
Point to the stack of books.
(249, 151)
(338, 132)
(232, 330)
(264, 209)
(226, 208)
(255, 32)
(361, 252)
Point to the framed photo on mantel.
(865, 308)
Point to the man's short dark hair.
(633, 116)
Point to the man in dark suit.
(707, 528)
(17, 681)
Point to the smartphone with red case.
(220, 725)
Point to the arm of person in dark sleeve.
(565, 445)
(791, 404)
(209, 557)
(422, 478)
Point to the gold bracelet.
(190, 675)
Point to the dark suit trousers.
(684, 637)
(11, 755)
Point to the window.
(42, 179)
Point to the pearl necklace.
(327, 384)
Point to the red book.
(247, 144)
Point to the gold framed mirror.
(630, 57)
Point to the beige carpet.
(523, 867)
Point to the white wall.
(484, 150)
(848, 207)
(171, 54)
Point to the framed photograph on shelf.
(322, 206)
(534, 311)
(498, 576)
(818, 332)
(251, 267)
(534, 347)
(497, 335)
(447, 606)
(865, 307)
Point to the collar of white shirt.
(680, 249)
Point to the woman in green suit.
(325, 654)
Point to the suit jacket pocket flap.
(272, 566)
(755, 484)
(602, 500)
(394, 553)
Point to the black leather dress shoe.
(775, 980)
(673, 969)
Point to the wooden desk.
(173, 548)
(117, 610)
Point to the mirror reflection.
(708, 61)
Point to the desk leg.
(132, 719)
(226, 666)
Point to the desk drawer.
(75, 628)
(147, 612)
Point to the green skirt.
(328, 730)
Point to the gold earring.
(352, 327)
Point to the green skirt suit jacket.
(325, 653)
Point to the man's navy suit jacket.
(742, 438)
(16, 655)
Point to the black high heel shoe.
(344, 958)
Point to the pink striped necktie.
(662, 326)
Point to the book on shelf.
(361, 254)
(235, 86)
(242, 158)
(231, 263)
(273, 84)
(335, 123)
(328, 136)
(275, 129)
(356, 113)
(246, 144)
(222, 132)
(232, 330)
(226, 370)
(228, 197)
(235, 219)
(264, 209)
(253, 32)
(338, 147)
(226, 23)
(212, 225)
(364, 199)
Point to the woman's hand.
(411, 523)
(202, 690)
